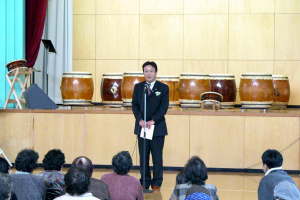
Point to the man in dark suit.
(157, 96)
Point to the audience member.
(77, 185)
(27, 186)
(53, 177)
(5, 187)
(121, 185)
(276, 184)
(97, 187)
(192, 180)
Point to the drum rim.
(133, 73)
(193, 74)
(77, 73)
(279, 76)
(222, 75)
(257, 74)
(16, 61)
(112, 74)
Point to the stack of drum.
(256, 90)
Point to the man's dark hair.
(85, 164)
(54, 160)
(77, 181)
(272, 158)
(26, 160)
(153, 64)
(122, 163)
(4, 166)
(195, 171)
(5, 186)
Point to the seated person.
(121, 185)
(275, 176)
(77, 185)
(53, 177)
(4, 166)
(27, 186)
(5, 187)
(192, 180)
(97, 187)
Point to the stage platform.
(227, 140)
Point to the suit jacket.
(157, 107)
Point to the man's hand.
(142, 123)
(150, 123)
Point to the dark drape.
(35, 21)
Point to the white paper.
(149, 132)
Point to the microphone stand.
(144, 140)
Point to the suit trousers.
(155, 146)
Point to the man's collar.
(20, 172)
(272, 169)
(151, 84)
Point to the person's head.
(76, 181)
(26, 160)
(84, 164)
(5, 186)
(195, 171)
(122, 163)
(54, 160)
(271, 158)
(150, 71)
(4, 166)
(180, 178)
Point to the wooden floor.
(231, 186)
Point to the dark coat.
(157, 107)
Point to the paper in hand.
(149, 132)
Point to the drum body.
(191, 86)
(173, 83)
(111, 89)
(225, 85)
(77, 88)
(256, 91)
(16, 64)
(281, 88)
(129, 80)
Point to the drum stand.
(13, 78)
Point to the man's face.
(149, 73)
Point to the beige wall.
(208, 36)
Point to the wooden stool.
(14, 77)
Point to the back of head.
(286, 190)
(5, 186)
(77, 181)
(54, 160)
(85, 164)
(272, 158)
(195, 171)
(122, 163)
(180, 178)
(4, 166)
(26, 160)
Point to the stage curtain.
(35, 21)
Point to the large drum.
(77, 88)
(173, 83)
(16, 64)
(111, 89)
(281, 87)
(129, 80)
(225, 85)
(191, 86)
(256, 91)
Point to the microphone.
(147, 86)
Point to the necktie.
(148, 89)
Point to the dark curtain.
(35, 21)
